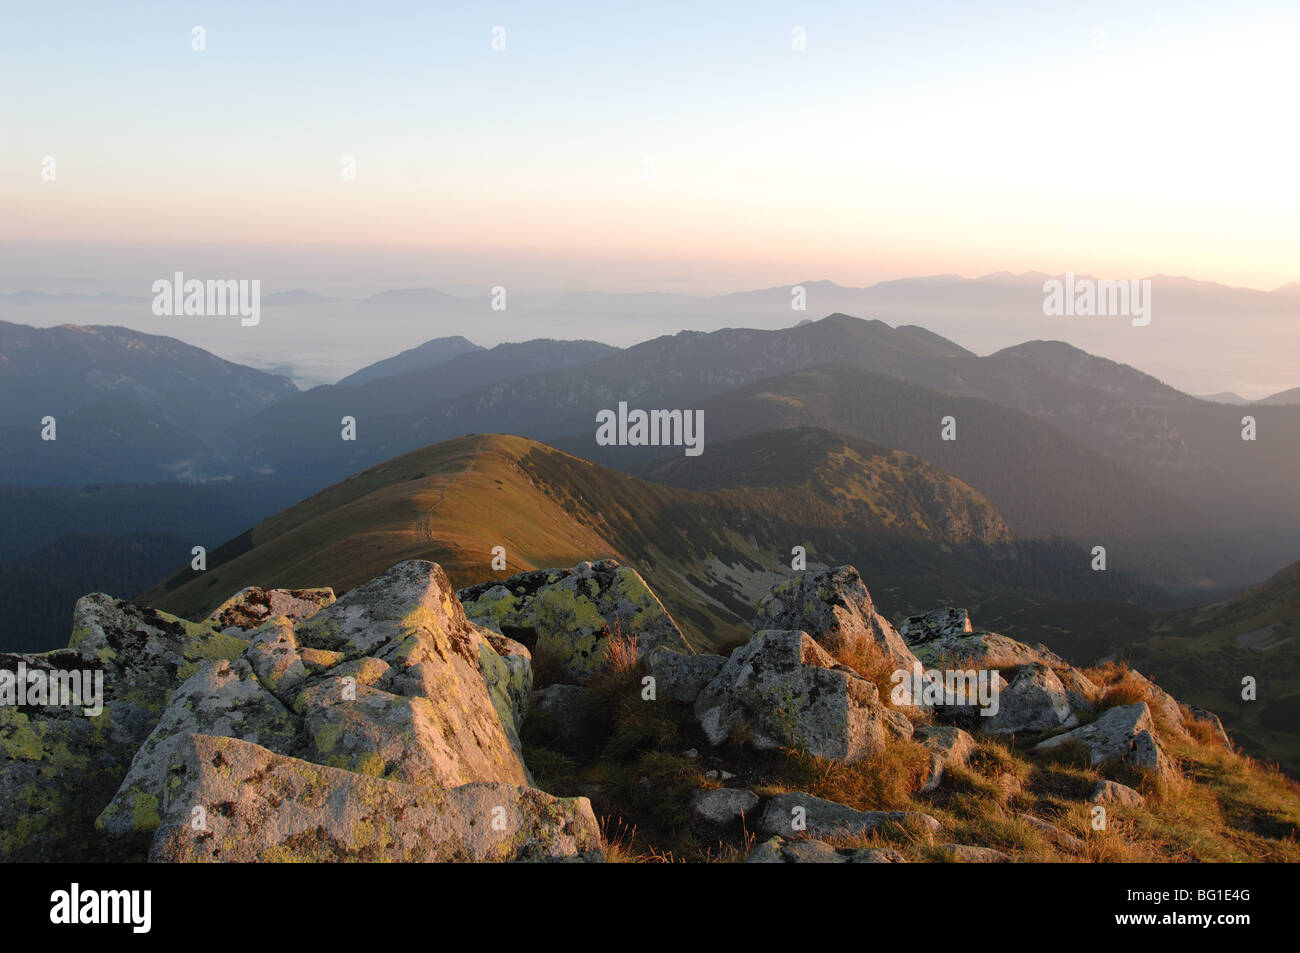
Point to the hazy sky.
(667, 146)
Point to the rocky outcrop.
(250, 607)
(1211, 719)
(969, 854)
(390, 682)
(936, 625)
(1122, 735)
(58, 766)
(571, 613)
(797, 814)
(834, 607)
(235, 801)
(782, 690)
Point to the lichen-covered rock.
(59, 767)
(252, 606)
(390, 681)
(1112, 792)
(984, 650)
(835, 608)
(1125, 734)
(782, 690)
(723, 806)
(948, 746)
(679, 675)
(798, 814)
(1034, 702)
(570, 613)
(238, 802)
(939, 624)
(778, 850)
(221, 698)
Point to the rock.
(983, 650)
(1126, 734)
(1062, 839)
(939, 624)
(256, 805)
(967, 854)
(565, 708)
(570, 613)
(834, 607)
(821, 818)
(250, 607)
(222, 698)
(59, 767)
(1210, 718)
(388, 681)
(1034, 702)
(896, 723)
(681, 675)
(723, 806)
(778, 850)
(507, 670)
(1112, 792)
(948, 746)
(1080, 691)
(1162, 704)
(782, 689)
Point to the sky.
(668, 146)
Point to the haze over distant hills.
(1204, 337)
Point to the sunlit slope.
(709, 554)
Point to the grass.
(638, 769)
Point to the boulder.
(939, 624)
(680, 675)
(1034, 702)
(1124, 734)
(58, 766)
(983, 650)
(388, 681)
(778, 850)
(948, 746)
(723, 806)
(1112, 792)
(252, 606)
(782, 690)
(834, 607)
(570, 613)
(797, 814)
(235, 801)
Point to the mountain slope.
(914, 529)
(128, 406)
(429, 354)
